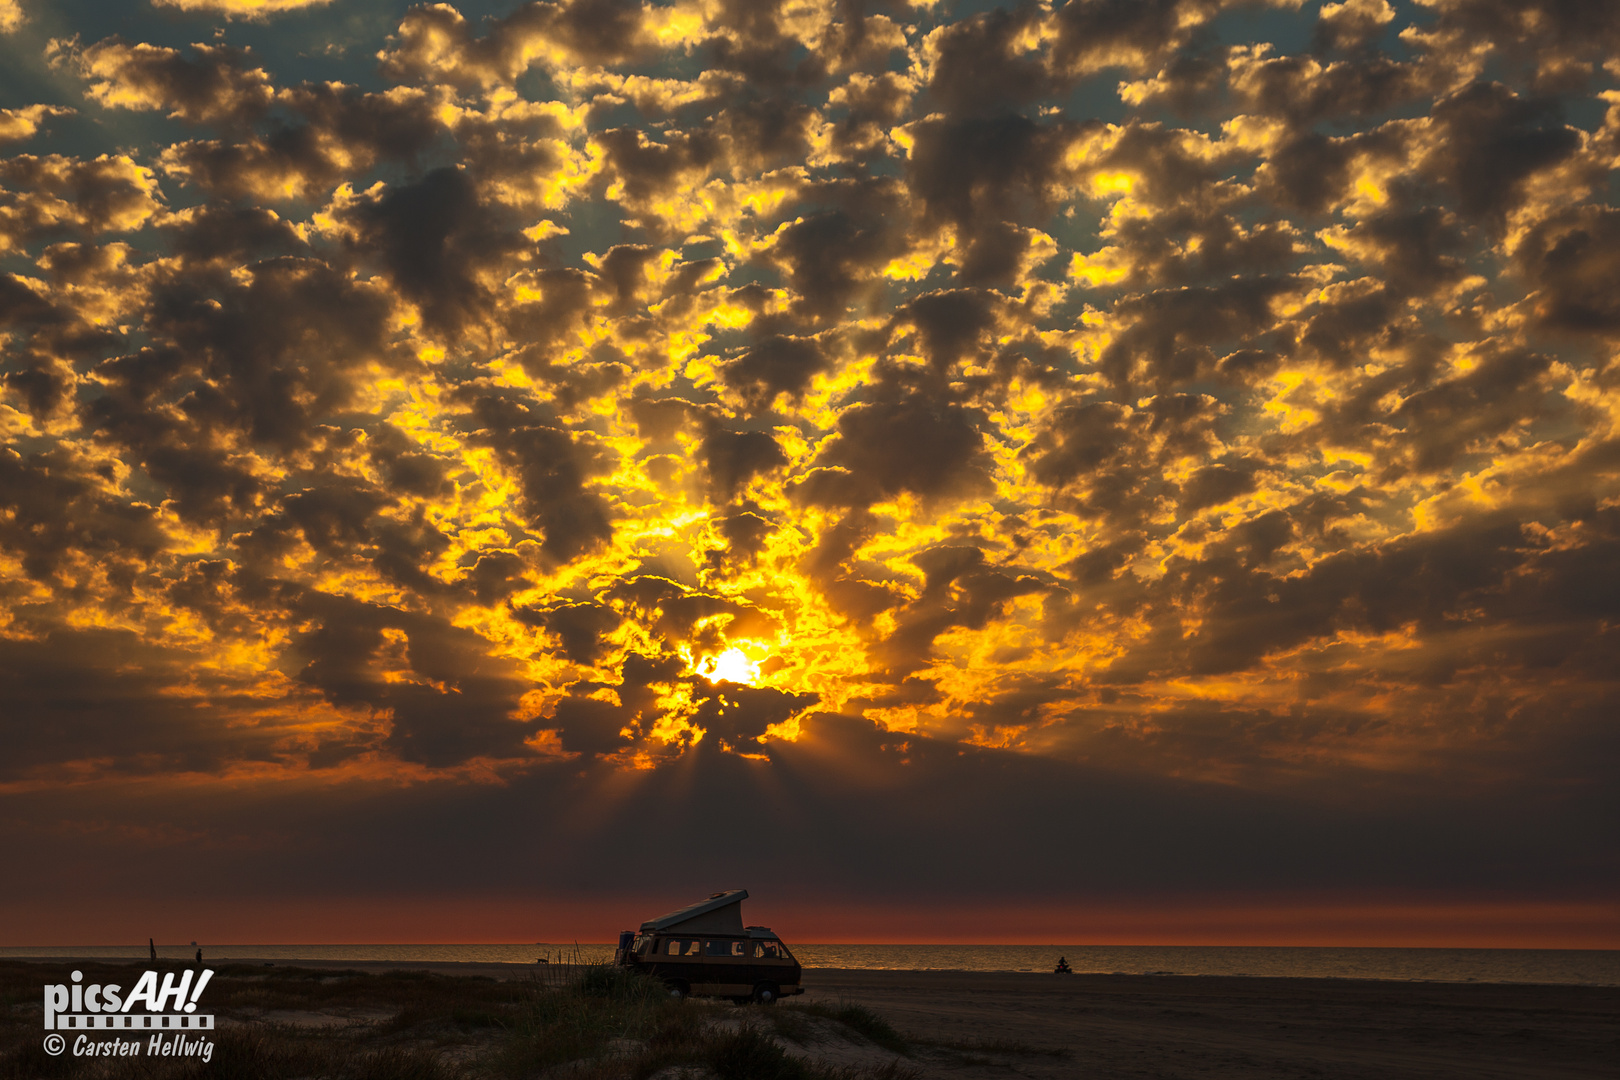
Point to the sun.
(732, 665)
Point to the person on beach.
(1063, 967)
(199, 958)
(152, 948)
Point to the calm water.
(1589, 967)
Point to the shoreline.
(508, 971)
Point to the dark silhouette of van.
(704, 950)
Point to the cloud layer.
(1201, 410)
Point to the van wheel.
(679, 989)
(766, 993)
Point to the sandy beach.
(1175, 1027)
(983, 1025)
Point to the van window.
(767, 950)
(674, 947)
(724, 948)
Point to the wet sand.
(1122, 1026)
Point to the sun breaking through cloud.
(1192, 392)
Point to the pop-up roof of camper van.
(719, 914)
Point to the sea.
(1570, 967)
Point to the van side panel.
(717, 966)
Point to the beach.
(985, 1024)
(1179, 1027)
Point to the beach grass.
(589, 1022)
(856, 1019)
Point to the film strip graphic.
(132, 1023)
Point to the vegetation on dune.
(597, 1022)
(859, 1020)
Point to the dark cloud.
(682, 615)
(1312, 172)
(436, 237)
(959, 590)
(907, 444)
(55, 197)
(547, 325)
(1343, 329)
(1098, 34)
(735, 457)
(319, 135)
(1172, 334)
(646, 168)
(868, 107)
(600, 719)
(749, 38)
(1457, 414)
(405, 467)
(553, 466)
(983, 63)
(23, 304)
(980, 171)
(105, 695)
(1215, 484)
(213, 85)
(766, 133)
(1549, 33)
(447, 699)
(233, 235)
(1425, 580)
(1304, 91)
(830, 258)
(579, 627)
(624, 270)
(61, 508)
(1079, 440)
(745, 533)
(1570, 258)
(1351, 25)
(951, 323)
(740, 714)
(1490, 141)
(280, 348)
(779, 364)
(434, 43)
(1414, 251)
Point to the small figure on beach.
(1063, 967)
(152, 948)
(199, 958)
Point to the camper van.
(704, 950)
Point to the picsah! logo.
(154, 1020)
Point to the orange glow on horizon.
(375, 920)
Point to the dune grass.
(856, 1019)
(599, 1023)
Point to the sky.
(1106, 471)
